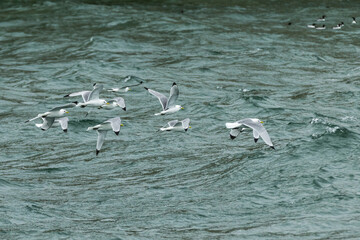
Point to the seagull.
(122, 89)
(63, 122)
(116, 102)
(49, 117)
(127, 88)
(353, 21)
(177, 125)
(111, 124)
(90, 98)
(255, 124)
(168, 105)
(322, 19)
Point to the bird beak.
(129, 89)
(189, 126)
(122, 125)
(107, 103)
(66, 112)
(182, 107)
(261, 122)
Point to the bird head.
(63, 111)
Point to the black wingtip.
(124, 108)
(97, 152)
(255, 140)
(76, 102)
(65, 130)
(232, 137)
(146, 88)
(174, 83)
(186, 129)
(43, 129)
(82, 106)
(117, 133)
(141, 82)
(272, 147)
(94, 84)
(67, 95)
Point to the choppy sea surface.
(231, 60)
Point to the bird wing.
(133, 85)
(100, 139)
(260, 129)
(134, 78)
(163, 100)
(120, 101)
(47, 123)
(234, 132)
(115, 123)
(69, 105)
(83, 94)
(173, 123)
(63, 122)
(95, 92)
(174, 94)
(256, 134)
(185, 123)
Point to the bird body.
(102, 129)
(114, 103)
(93, 103)
(311, 25)
(176, 125)
(170, 110)
(130, 78)
(63, 122)
(253, 123)
(90, 98)
(321, 28)
(49, 117)
(167, 104)
(322, 19)
(124, 89)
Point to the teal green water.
(231, 60)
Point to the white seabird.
(168, 104)
(102, 129)
(176, 125)
(253, 123)
(50, 116)
(63, 122)
(114, 103)
(90, 98)
(127, 88)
